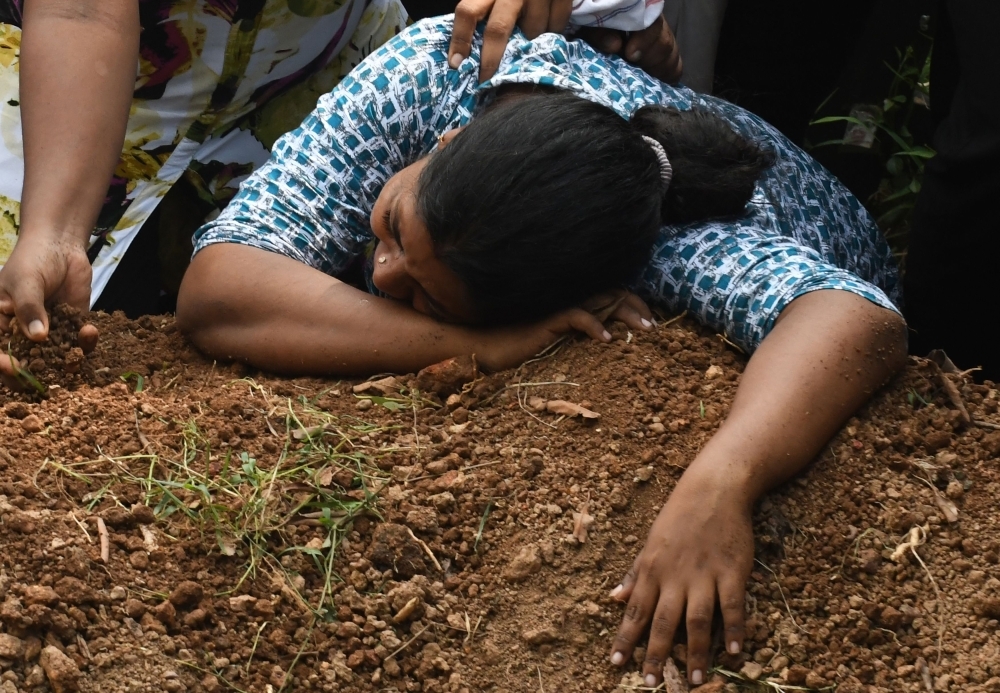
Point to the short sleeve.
(313, 199)
(737, 279)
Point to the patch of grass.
(323, 478)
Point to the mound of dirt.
(182, 525)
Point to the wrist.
(720, 474)
(56, 233)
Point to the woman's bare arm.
(78, 69)
(828, 353)
(252, 305)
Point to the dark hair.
(548, 199)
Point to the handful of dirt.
(61, 359)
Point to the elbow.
(199, 301)
(888, 340)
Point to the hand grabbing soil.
(699, 550)
(69, 340)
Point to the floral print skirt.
(218, 82)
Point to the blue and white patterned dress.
(803, 230)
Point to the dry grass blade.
(102, 532)
(408, 642)
(426, 549)
(954, 396)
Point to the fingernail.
(696, 677)
(650, 680)
(646, 323)
(617, 658)
(606, 335)
(734, 647)
(616, 591)
(36, 328)
(636, 55)
(454, 61)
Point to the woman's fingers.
(661, 636)
(28, 297)
(559, 14)
(731, 596)
(637, 614)
(607, 41)
(87, 338)
(655, 50)
(499, 27)
(640, 42)
(535, 17)
(582, 321)
(631, 317)
(700, 607)
(623, 592)
(468, 13)
(8, 371)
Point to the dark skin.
(309, 322)
(78, 61)
(829, 351)
(653, 49)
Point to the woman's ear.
(449, 136)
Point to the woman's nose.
(390, 276)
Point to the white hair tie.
(666, 170)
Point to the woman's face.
(406, 266)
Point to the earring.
(440, 140)
(381, 260)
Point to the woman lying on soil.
(481, 216)
(217, 83)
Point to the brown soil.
(456, 566)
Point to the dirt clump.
(62, 358)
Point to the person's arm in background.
(649, 45)
(77, 76)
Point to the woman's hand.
(828, 352)
(699, 550)
(533, 16)
(10, 367)
(653, 49)
(507, 347)
(45, 267)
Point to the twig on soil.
(426, 549)
(191, 665)
(407, 643)
(83, 528)
(986, 424)
(916, 537)
(725, 340)
(102, 532)
(482, 523)
(953, 394)
(541, 688)
(474, 630)
(925, 674)
(782, 593)
(146, 445)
